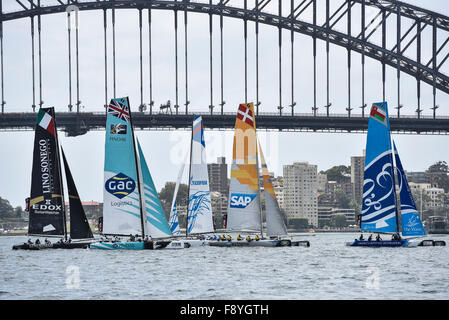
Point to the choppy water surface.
(326, 270)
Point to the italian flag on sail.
(46, 121)
(378, 113)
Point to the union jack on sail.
(119, 108)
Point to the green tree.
(336, 173)
(341, 199)
(438, 175)
(339, 221)
(6, 210)
(166, 196)
(298, 223)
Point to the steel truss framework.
(429, 72)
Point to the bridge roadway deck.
(77, 124)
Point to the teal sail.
(121, 208)
(379, 212)
(156, 222)
(411, 224)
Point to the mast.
(258, 181)
(58, 162)
(188, 191)
(396, 200)
(141, 195)
(137, 172)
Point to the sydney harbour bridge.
(412, 27)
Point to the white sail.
(174, 220)
(244, 210)
(199, 219)
(274, 219)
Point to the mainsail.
(411, 224)
(47, 214)
(274, 219)
(79, 226)
(156, 222)
(244, 211)
(174, 220)
(121, 208)
(199, 218)
(379, 213)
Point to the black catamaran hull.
(26, 246)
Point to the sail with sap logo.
(379, 212)
(244, 210)
(121, 207)
(411, 224)
(199, 218)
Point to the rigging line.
(221, 57)
(40, 56)
(33, 68)
(141, 62)
(398, 67)
(105, 24)
(1, 54)
(292, 43)
(257, 58)
(211, 61)
(418, 59)
(113, 53)
(176, 62)
(69, 37)
(78, 102)
(280, 58)
(245, 31)
(186, 61)
(150, 47)
(363, 58)
(327, 58)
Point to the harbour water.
(325, 270)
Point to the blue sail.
(411, 224)
(379, 213)
(157, 224)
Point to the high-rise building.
(357, 171)
(301, 191)
(218, 176)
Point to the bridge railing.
(261, 114)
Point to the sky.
(166, 150)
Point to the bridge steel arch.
(424, 71)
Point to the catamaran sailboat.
(380, 212)
(199, 214)
(244, 206)
(131, 206)
(47, 213)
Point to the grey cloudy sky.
(165, 150)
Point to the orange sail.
(244, 212)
